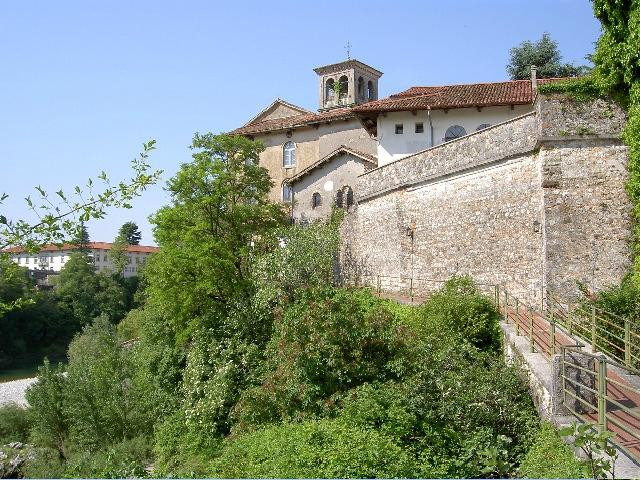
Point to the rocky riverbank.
(14, 391)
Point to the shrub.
(328, 342)
(460, 308)
(127, 459)
(313, 449)
(550, 457)
(14, 424)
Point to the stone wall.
(518, 204)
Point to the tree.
(81, 238)
(219, 216)
(130, 233)
(544, 54)
(118, 254)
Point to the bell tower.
(347, 83)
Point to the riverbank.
(14, 391)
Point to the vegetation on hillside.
(246, 358)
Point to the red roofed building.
(351, 118)
(51, 258)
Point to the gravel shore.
(14, 391)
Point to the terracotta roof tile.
(294, 121)
(91, 245)
(514, 92)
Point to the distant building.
(52, 258)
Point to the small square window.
(419, 127)
(399, 128)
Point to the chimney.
(534, 80)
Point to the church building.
(315, 158)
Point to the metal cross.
(348, 47)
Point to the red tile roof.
(294, 121)
(514, 92)
(91, 245)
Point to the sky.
(84, 83)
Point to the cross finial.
(348, 48)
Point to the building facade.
(52, 258)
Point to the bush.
(458, 307)
(14, 424)
(127, 459)
(313, 449)
(550, 457)
(328, 342)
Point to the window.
(339, 201)
(289, 155)
(370, 94)
(349, 192)
(316, 200)
(344, 87)
(399, 128)
(455, 131)
(360, 87)
(329, 90)
(286, 192)
(483, 126)
(419, 127)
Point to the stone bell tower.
(347, 83)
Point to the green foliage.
(126, 459)
(219, 219)
(49, 418)
(545, 55)
(86, 294)
(550, 457)
(458, 307)
(578, 89)
(61, 214)
(130, 232)
(314, 449)
(306, 259)
(118, 254)
(600, 455)
(14, 424)
(328, 342)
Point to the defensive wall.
(534, 202)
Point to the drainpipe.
(430, 123)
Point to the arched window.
(370, 93)
(316, 200)
(454, 131)
(483, 126)
(344, 86)
(349, 194)
(287, 193)
(329, 90)
(339, 201)
(289, 155)
(360, 87)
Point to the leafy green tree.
(81, 238)
(118, 254)
(87, 294)
(130, 232)
(545, 55)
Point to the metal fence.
(606, 332)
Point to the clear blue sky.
(84, 83)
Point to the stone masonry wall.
(587, 218)
(534, 202)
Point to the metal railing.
(594, 388)
(544, 333)
(617, 336)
